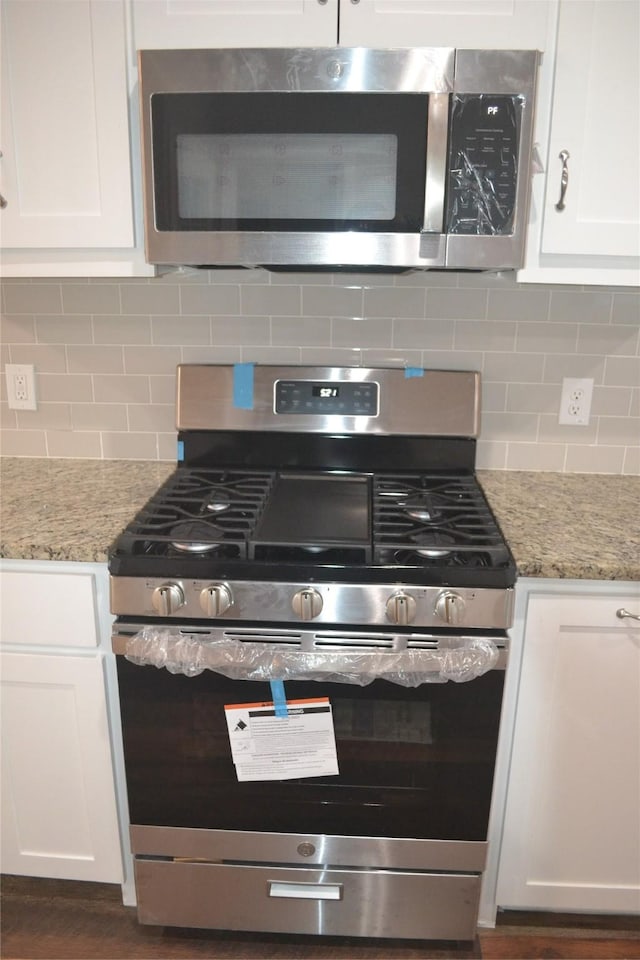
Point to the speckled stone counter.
(577, 526)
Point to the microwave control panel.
(483, 164)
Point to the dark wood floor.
(65, 920)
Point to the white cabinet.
(316, 23)
(571, 835)
(587, 107)
(60, 813)
(181, 24)
(491, 24)
(65, 171)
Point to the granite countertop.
(576, 526)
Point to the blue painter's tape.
(279, 698)
(413, 372)
(180, 450)
(243, 385)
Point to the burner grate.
(200, 512)
(436, 519)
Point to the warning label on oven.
(267, 744)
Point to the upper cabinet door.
(595, 119)
(491, 24)
(65, 170)
(180, 24)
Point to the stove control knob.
(167, 598)
(401, 608)
(216, 599)
(450, 608)
(306, 603)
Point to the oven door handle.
(305, 891)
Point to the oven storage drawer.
(371, 903)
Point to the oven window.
(413, 762)
(289, 161)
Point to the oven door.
(414, 762)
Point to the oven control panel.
(344, 398)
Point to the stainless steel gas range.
(323, 570)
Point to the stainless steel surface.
(563, 156)
(437, 71)
(436, 403)
(373, 903)
(623, 614)
(296, 70)
(459, 856)
(436, 176)
(341, 603)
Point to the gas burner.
(218, 502)
(196, 536)
(422, 508)
(436, 544)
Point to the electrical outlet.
(21, 386)
(575, 401)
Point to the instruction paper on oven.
(268, 746)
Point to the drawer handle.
(305, 891)
(622, 614)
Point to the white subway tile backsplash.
(95, 359)
(267, 301)
(364, 332)
(149, 298)
(129, 446)
(209, 299)
(419, 333)
(17, 328)
(153, 359)
(105, 353)
(64, 330)
(581, 306)
(121, 329)
(181, 330)
(74, 443)
(108, 388)
(594, 459)
(32, 298)
(456, 304)
(89, 298)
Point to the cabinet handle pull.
(3, 202)
(564, 179)
(622, 614)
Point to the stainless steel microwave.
(338, 157)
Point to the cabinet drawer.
(371, 903)
(48, 609)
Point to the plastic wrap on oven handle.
(457, 658)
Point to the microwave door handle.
(437, 130)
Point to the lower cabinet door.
(571, 838)
(59, 815)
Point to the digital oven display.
(345, 398)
